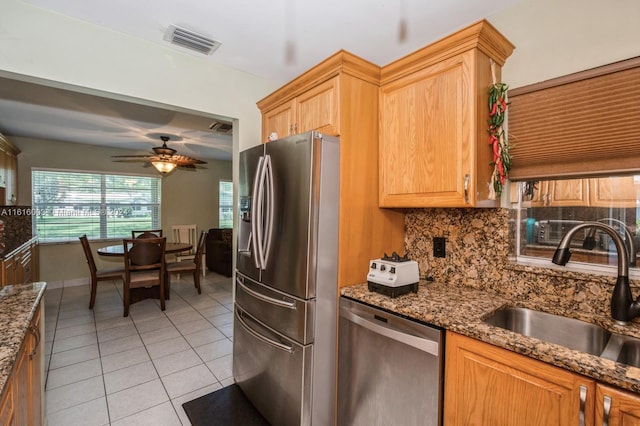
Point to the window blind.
(580, 125)
(225, 216)
(68, 204)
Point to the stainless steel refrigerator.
(285, 313)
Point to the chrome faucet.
(623, 307)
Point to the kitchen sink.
(568, 332)
(630, 354)
(571, 333)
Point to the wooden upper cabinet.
(424, 137)
(8, 171)
(339, 96)
(319, 108)
(620, 191)
(434, 114)
(612, 192)
(315, 109)
(279, 120)
(567, 193)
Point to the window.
(547, 209)
(225, 217)
(67, 204)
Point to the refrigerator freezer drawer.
(291, 316)
(274, 372)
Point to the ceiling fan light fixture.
(164, 166)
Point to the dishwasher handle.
(425, 345)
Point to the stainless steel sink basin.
(568, 332)
(630, 354)
(571, 333)
(623, 349)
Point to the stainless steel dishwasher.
(390, 369)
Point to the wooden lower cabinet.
(487, 385)
(22, 403)
(615, 407)
(21, 266)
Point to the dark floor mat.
(225, 407)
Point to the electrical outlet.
(439, 247)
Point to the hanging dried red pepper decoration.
(497, 138)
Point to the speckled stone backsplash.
(477, 256)
(16, 221)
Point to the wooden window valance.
(583, 124)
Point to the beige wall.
(41, 44)
(559, 37)
(187, 196)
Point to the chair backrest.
(144, 253)
(200, 250)
(184, 234)
(87, 253)
(150, 233)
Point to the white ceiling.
(253, 34)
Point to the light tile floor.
(105, 369)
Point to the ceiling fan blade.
(183, 159)
(162, 153)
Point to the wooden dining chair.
(193, 267)
(185, 234)
(97, 275)
(148, 233)
(144, 267)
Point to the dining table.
(118, 249)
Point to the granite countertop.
(462, 310)
(18, 304)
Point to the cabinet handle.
(36, 334)
(606, 404)
(466, 188)
(583, 403)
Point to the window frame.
(105, 210)
(518, 231)
(221, 205)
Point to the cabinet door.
(621, 191)
(280, 120)
(570, 192)
(319, 108)
(36, 369)
(11, 177)
(487, 385)
(6, 406)
(21, 385)
(3, 168)
(425, 137)
(9, 271)
(617, 407)
(538, 196)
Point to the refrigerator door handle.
(256, 213)
(265, 298)
(270, 206)
(259, 336)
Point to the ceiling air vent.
(191, 40)
(221, 127)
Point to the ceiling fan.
(164, 159)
